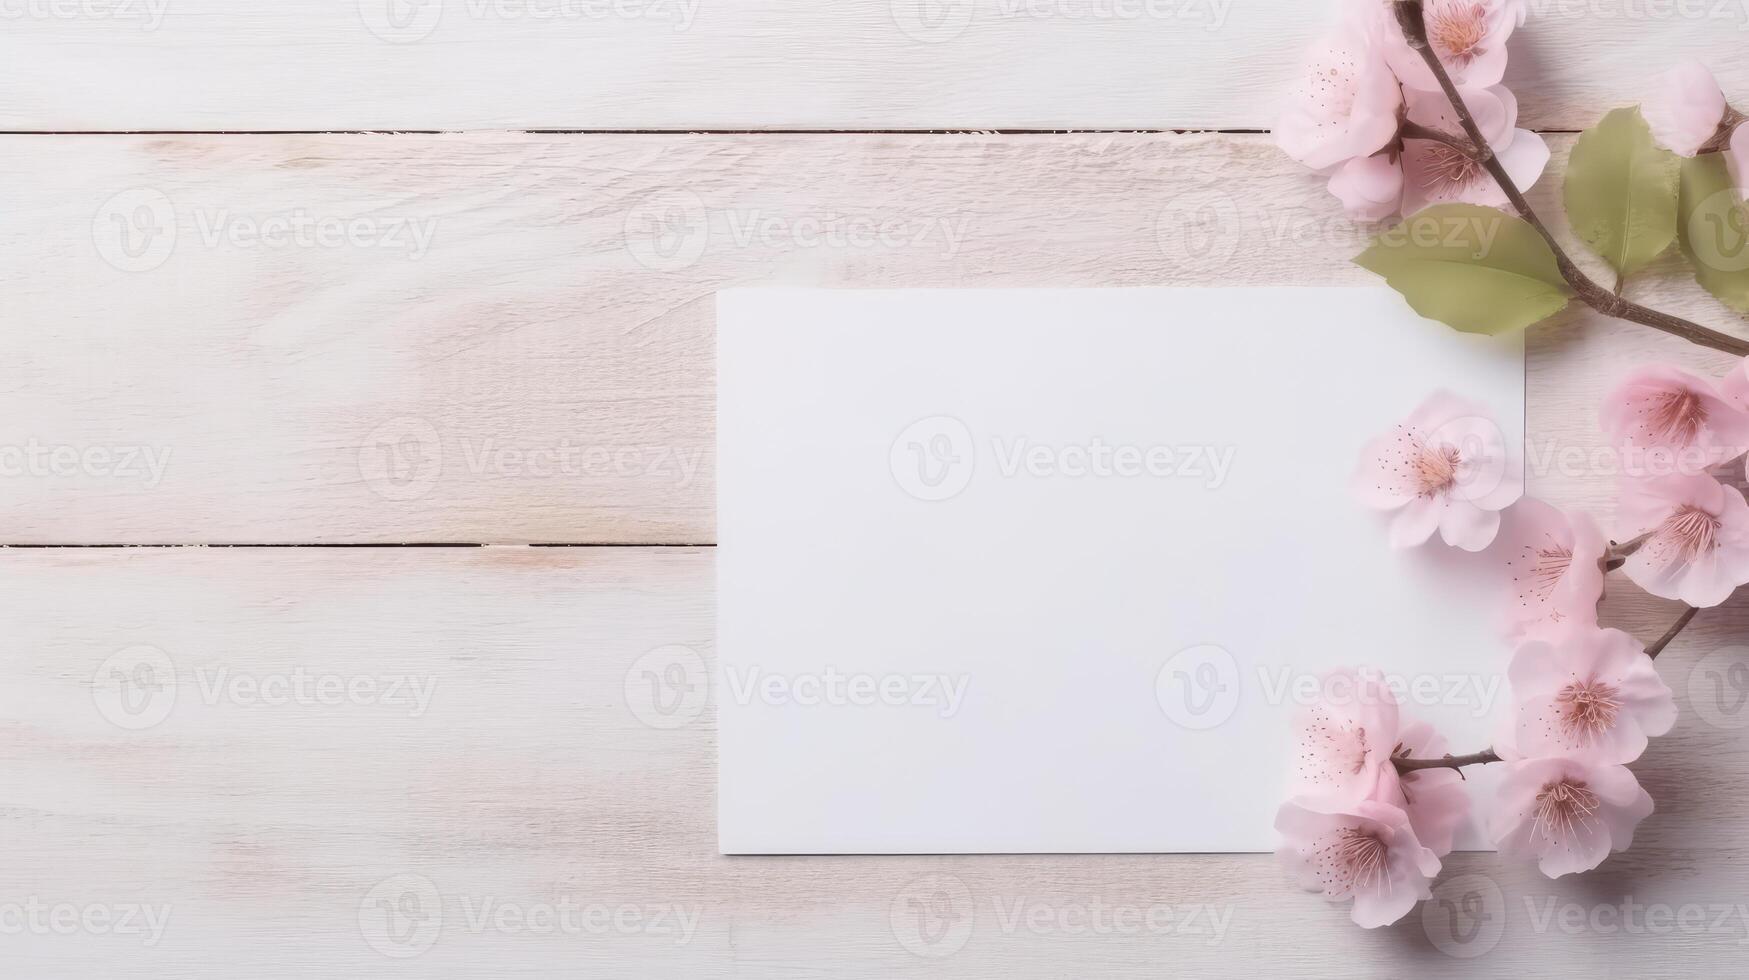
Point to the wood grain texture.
(506, 339)
(261, 820)
(314, 65)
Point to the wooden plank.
(508, 338)
(483, 720)
(315, 65)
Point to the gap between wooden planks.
(508, 338)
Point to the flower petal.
(1685, 108)
(1464, 525)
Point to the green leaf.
(1621, 191)
(1715, 229)
(1471, 267)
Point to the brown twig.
(1618, 554)
(1657, 646)
(1409, 16)
(1481, 758)
(1412, 130)
(1721, 138)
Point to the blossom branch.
(1412, 130)
(1448, 761)
(1482, 758)
(1657, 646)
(1620, 553)
(1410, 16)
(1721, 139)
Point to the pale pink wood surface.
(505, 743)
(541, 369)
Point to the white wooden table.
(236, 309)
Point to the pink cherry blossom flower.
(1556, 576)
(1685, 109)
(1668, 420)
(1698, 544)
(1437, 173)
(1365, 851)
(1566, 813)
(1436, 800)
(1370, 188)
(1592, 694)
(1469, 36)
(1344, 106)
(1448, 468)
(1734, 386)
(1343, 743)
